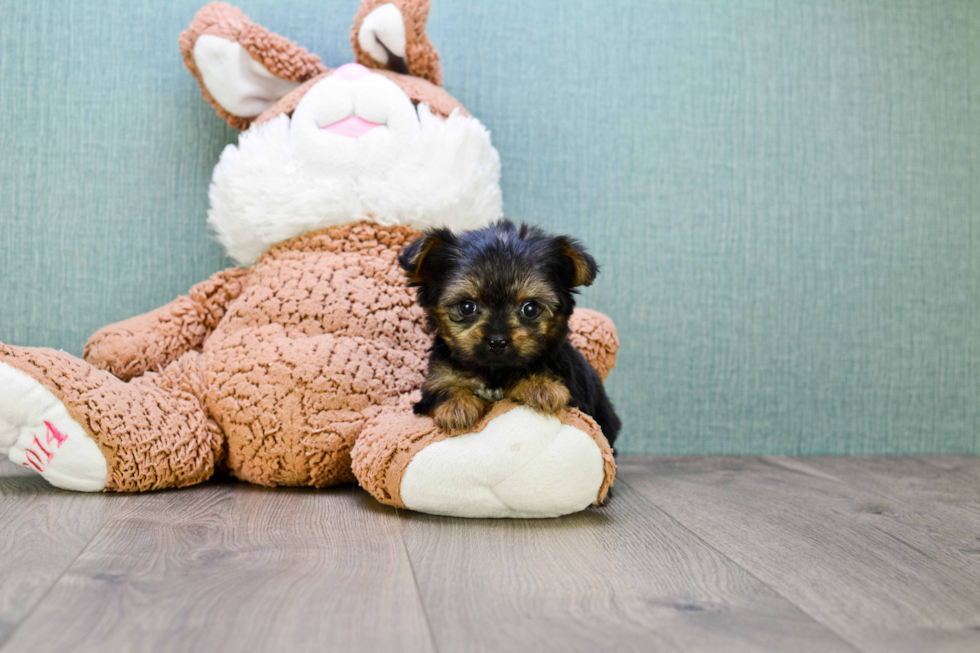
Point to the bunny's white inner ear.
(383, 31)
(240, 84)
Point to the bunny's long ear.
(243, 69)
(390, 34)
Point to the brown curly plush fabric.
(153, 432)
(287, 60)
(421, 56)
(147, 342)
(389, 443)
(277, 54)
(595, 336)
(271, 372)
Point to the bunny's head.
(379, 139)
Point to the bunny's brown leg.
(84, 429)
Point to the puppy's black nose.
(497, 343)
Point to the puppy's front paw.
(459, 413)
(543, 394)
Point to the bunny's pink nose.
(352, 71)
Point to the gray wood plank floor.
(690, 554)
(871, 568)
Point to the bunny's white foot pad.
(37, 432)
(522, 464)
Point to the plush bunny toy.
(300, 367)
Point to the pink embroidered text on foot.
(53, 435)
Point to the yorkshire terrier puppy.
(498, 301)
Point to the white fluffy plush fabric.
(523, 464)
(439, 173)
(235, 80)
(29, 415)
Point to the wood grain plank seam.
(771, 460)
(620, 478)
(929, 460)
(882, 494)
(793, 464)
(415, 579)
(43, 597)
(862, 490)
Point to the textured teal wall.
(785, 196)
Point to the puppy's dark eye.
(467, 307)
(530, 310)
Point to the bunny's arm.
(151, 341)
(595, 336)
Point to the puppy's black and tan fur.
(498, 300)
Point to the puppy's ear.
(580, 268)
(418, 258)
